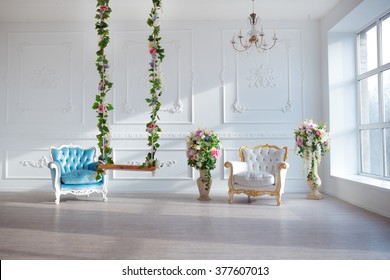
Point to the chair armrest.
(281, 174)
(283, 165)
(54, 166)
(55, 174)
(236, 166)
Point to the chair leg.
(278, 200)
(104, 193)
(230, 197)
(57, 201)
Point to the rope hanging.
(102, 108)
(157, 56)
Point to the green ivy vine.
(102, 108)
(157, 56)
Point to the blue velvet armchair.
(73, 171)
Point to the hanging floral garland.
(157, 56)
(102, 108)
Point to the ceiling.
(84, 10)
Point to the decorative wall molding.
(14, 164)
(133, 70)
(257, 75)
(36, 164)
(44, 77)
(45, 71)
(261, 80)
(160, 164)
(262, 77)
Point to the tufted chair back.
(263, 158)
(72, 158)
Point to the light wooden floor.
(177, 226)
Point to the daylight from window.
(374, 95)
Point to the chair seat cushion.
(254, 179)
(77, 177)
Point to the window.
(373, 68)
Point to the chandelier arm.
(266, 49)
(246, 46)
(243, 50)
(259, 44)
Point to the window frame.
(382, 125)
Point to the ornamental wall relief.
(45, 78)
(265, 87)
(132, 78)
(262, 77)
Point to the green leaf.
(110, 107)
(149, 22)
(95, 105)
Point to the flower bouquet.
(312, 142)
(203, 150)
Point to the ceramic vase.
(203, 191)
(314, 184)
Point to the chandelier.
(254, 37)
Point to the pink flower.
(199, 133)
(318, 133)
(151, 127)
(299, 141)
(215, 153)
(103, 8)
(152, 51)
(102, 108)
(105, 146)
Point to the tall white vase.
(203, 190)
(314, 184)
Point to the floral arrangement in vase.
(203, 150)
(311, 143)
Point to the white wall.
(341, 169)
(48, 82)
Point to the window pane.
(369, 100)
(386, 40)
(386, 94)
(371, 151)
(387, 139)
(368, 50)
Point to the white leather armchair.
(261, 171)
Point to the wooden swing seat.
(125, 167)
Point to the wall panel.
(50, 81)
(44, 78)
